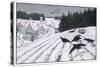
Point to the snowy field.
(50, 48)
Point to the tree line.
(33, 16)
(76, 20)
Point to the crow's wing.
(64, 40)
(76, 37)
(73, 48)
(90, 40)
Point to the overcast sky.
(49, 10)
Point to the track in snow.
(52, 49)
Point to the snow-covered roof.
(34, 26)
(26, 23)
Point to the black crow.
(89, 40)
(76, 46)
(64, 40)
(76, 38)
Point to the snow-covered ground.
(50, 48)
(44, 28)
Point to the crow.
(89, 40)
(76, 46)
(76, 38)
(64, 40)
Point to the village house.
(31, 31)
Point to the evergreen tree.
(76, 20)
